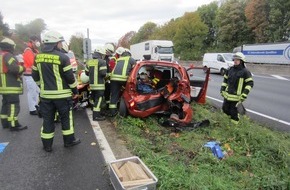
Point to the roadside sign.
(87, 48)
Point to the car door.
(198, 83)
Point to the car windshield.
(228, 56)
(70, 55)
(165, 50)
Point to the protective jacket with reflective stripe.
(97, 70)
(10, 71)
(237, 83)
(28, 58)
(122, 68)
(53, 72)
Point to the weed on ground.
(255, 156)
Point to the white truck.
(159, 50)
(271, 53)
(217, 62)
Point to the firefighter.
(53, 72)
(10, 85)
(109, 48)
(32, 89)
(119, 78)
(96, 68)
(236, 86)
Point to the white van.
(219, 62)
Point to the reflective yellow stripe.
(249, 79)
(74, 84)
(224, 84)
(240, 86)
(11, 90)
(1, 64)
(34, 68)
(11, 60)
(21, 69)
(71, 128)
(119, 77)
(226, 77)
(3, 116)
(98, 87)
(47, 58)
(67, 68)
(112, 105)
(46, 135)
(98, 107)
(231, 97)
(57, 77)
(3, 79)
(103, 68)
(11, 118)
(248, 87)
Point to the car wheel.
(122, 108)
(222, 72)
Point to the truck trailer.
(270, 53)
(158, 50)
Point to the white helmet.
(127, 52)
(52, 37)
(240, 56)
(109, 48)
(8, 41)
(100, 50)
(84, 78)
(120, 50)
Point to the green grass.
(260, 160)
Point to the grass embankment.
(260, 159)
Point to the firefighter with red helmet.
(10, 85)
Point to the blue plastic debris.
(215, 148)
(3, 146)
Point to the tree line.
(219, 27)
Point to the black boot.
(47, 144)
(72, 143)
(113, 112)
(18, 128)
(98, 117)
(4, 123)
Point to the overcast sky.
(107, 20)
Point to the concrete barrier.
(269, 69)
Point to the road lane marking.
(279, 77)
(103, 143)
(257, 113)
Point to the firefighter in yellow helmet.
(52, 71)
(236, 86)
(10, 85)
(96, 68)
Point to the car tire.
(122, 108)
(223, 71)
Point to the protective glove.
(242, 98)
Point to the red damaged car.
(163, 87)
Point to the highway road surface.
(268, 102)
